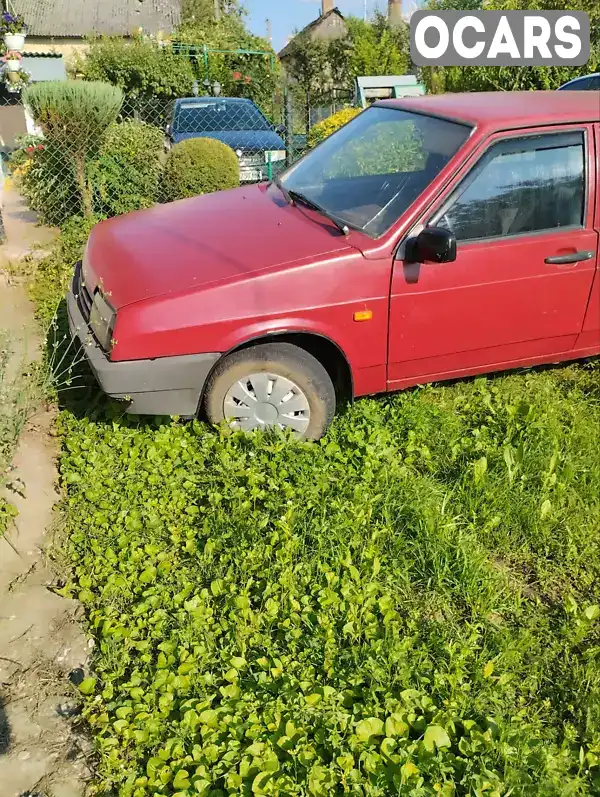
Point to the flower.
(30, 148)
(237, 75)
(247, 79)
(10, 23)
(40, 147)
(12, 55)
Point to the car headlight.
(275, 155)
(102, 321)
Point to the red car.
(430, 238)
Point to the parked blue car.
(240, 124)
(583, 83)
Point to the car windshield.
(369, 172)
(212, 117)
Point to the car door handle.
(575, 257)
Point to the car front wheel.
(271, 385)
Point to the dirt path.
(40, 639)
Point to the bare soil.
(42, 753)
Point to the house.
(328, 26)
(62, 26)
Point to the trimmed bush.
(324, 129)
(127, 173)
(74, 116)
(199, 166)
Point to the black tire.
(279, 359)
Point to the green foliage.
(371, 48)
(254, 76)
(15, 404)
(526, 78)
(324, 129)
(199, 166)
(74, 117)
(123, 176)
(378, 48)
(126, 174)
(374, 614)
(49, 278)
(74, 112)
(148, 71)
(386, 147)
(47, 179)
(141, 68)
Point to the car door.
(589, 341)
(526, 250)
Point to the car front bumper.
(163, 386)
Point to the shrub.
(125, 176)
(199, 166)
(139, 68)
(48, 278)
(46, 179)
(324, 129)
(74, 116)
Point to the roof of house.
(79, 18)
(498, 110)
(312, 26)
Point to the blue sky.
(288, 15)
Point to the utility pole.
(217, 10)
(366, 11)
(269, 36)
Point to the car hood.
(192, 243)
(254, 140)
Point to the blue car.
(584, 83)
(237, 123)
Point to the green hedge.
(199, 166)
(126, 175)
(324, 129)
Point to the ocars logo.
(500, 38)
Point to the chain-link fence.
(238, 97)
(125, 172)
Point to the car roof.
(207, 99)
(581, 77)
(506, 109)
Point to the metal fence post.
(288, 121)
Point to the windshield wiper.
(296, 196)
(286, 194)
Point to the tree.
(74, 116)
(378, 48)
(141, 68)
(371, 48)
(239, 74)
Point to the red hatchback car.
(430, 238)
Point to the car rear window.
(216, 116)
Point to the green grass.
(408, 607)
(15, 404)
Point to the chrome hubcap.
(262, 400)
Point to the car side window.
(520, 186)
(594, 83)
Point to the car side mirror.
(432, 245)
